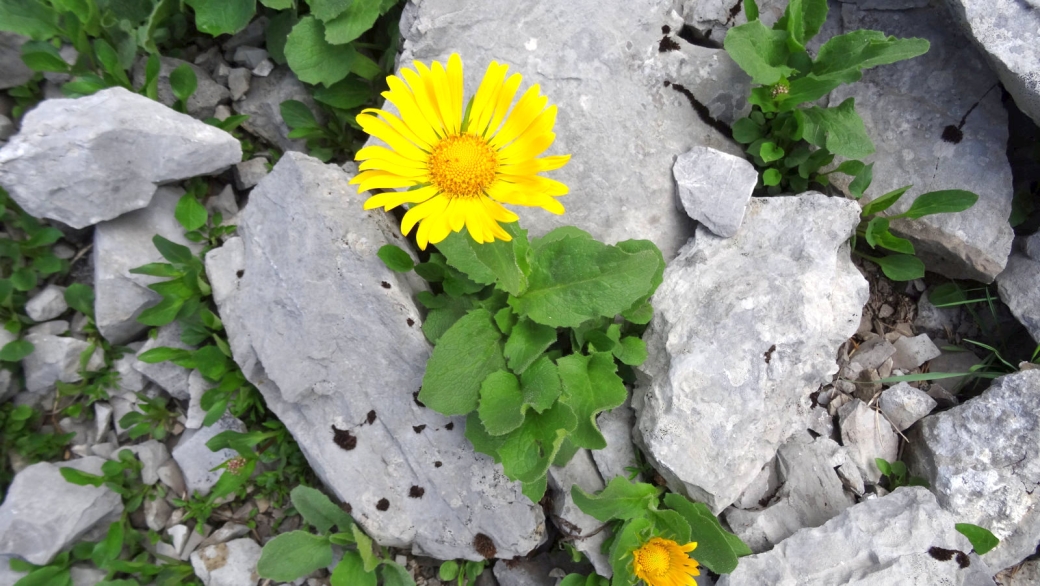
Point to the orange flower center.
(463, 165)
(653, 558)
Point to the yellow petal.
(445, 101)
(419, 175)
(509, 194)
(392, 199)
(541, 125)
(483, 100)
(495, 210)
(456, 214)
(502, 102)
(526, 147)
(534, 166)
(424, 98)
(403, 98)
(398, 142)
(384, 180)
(426, 209)
(538, 184)
(381, 152)
(455, 85)
(399, 125)
(439, 228)
(527, 109)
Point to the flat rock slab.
(1019, 285)
(600, 63)
(715, 188)
(81, 161)
(332, 338)
(1008, 31)
(879, 542)
(744, 330)
(263, 105)
(906, 106)
(982, 459)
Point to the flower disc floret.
(463, 166)
(663, 562)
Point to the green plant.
(895, 475)
(296, 554)
(634, 510)
(982, 539)
(154, 418)
(579, 580)
(527, 344)
(464, 573)
(19, 434)
(789, 142)
(273, 445)
(323, 142)
(122, 476)
(94, 385)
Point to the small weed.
(895, 475)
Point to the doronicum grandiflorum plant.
(532, 338)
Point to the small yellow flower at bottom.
(663, 562)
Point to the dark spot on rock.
(347, 508)
(952, 134)
(484, 546)
(416, 492)
(383, 504)
(667, 44)
(415, 397)
(437, 464)
(769, 353)
(695, 36)
(371, 417)
(418, 428)
(240, 274)
(962, 560)
(666, 29)
(344, 438)
(384, 284)
(450, 426)
(941, 554)
(410, 321)
(733, 12)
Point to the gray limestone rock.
(82, 161)
(54, 358)
(249, 173)
(811, 494)
(580, 471)
(1019, 284)
(47, 304)
(713, 78)
(879, 542)
(982, 459)
(7, 128)
(13, 71)
(907, 106)
(867, 435)
(872, 353)
(600, 63)
(248, 57)
(1027, 574)
(227, 564)
(913, 352)
(172, 378)
(1008, 31)
(43, 514)
(152, 455)
(715, 188)
(123, 244)
(238, 82)
(345, 344)
(904, 405)
(620, 454)
(207, 94)
(197, 461)
(729, 374)
(263, 105)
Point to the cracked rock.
(228, 564)
(580, 471)
(196, 461)
(47, 304)
(904, 405)
(867, 435)
(1019, 284)
(203, 101)
(715, 188)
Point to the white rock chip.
(867, 435)
(152, 455)
(228, 564)
(580, 471)
(1019, 284)
(196, 461)
(172, 378)
(913, 352)
(85, 160)
(620, 454)
(345, 344)
(43, 514)
(13, 71)
(249, 173)
(982, 459)
(55, 358)
(729, 376)
(904, 405)
(879, 542)
(47, 304)
(715, 188)
(263, 105)
(907, 106)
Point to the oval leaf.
(294, 555)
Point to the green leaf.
(312, 58)
(882, 203)
(278, 4)
(109, 59)
(189, 212)
(981, 538)
(24, 279)
(296, 114)
(293, 555)
(171, 251)
(671, 525)
(346, 94)
(163, 354)
(631, 351)
(946, 201)
(761, 52)
(527, 452)
(394, 574)
(641, 309)
(630, 537)
(351, 572)
(448, 570)
(894, 243)
(863, 49)
(716, 548)
(621, 499)
(747, 131)
(874, 227)
(395, 258)
(43, 56)
(351, 23)
(463, 357)
(501, 403)
(110, 547)
(751, 10)
(575, 279)
(161, 313)
(501, 262)
(900, 267)
(839, 129)
(318, 510)
(16, 350)
(803, 19)
(56, 575)
(540, 384)
(526, 343)
(81, 298)
(590, 385)
(211, 362)
(278, 29)
(771, 177)
(364, 548)
(329, 9)
(770, 152)
(30, 18)
(81, 478)
(220, 17)
(862, 181)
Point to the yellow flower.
(663, 562)
(460, 166)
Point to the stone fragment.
(43, 514)
(156, 513)
(909, 107)
(51, 328)
(1008, 32)
(225, 203)
(572, 521)
(228, 564)
(238, 82)
(1019, 284)
(249, 173)
(263, 105)
(152, 455)
(7, 128)
(950, 361)
(85, 160)
(264, 68)
(904, 405)
(761, 489)
(729, 376)
(303, 224)
(172, 378)
(13, 71)
(811, 494)
(86, 575)
(202, 103)
(569, 48)
(1027, 574)
(943, 322)
(196, 461)
(197, 386)
(867, 435)
(170, 475)
(913, 352)
(123, 244)
(248, 57)
(226, 533)
(47, 304)
(880, 542)
(982, 459)
(873, 353)
(620, 454)
(715, 188)
(53, 359)
(252, 35)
